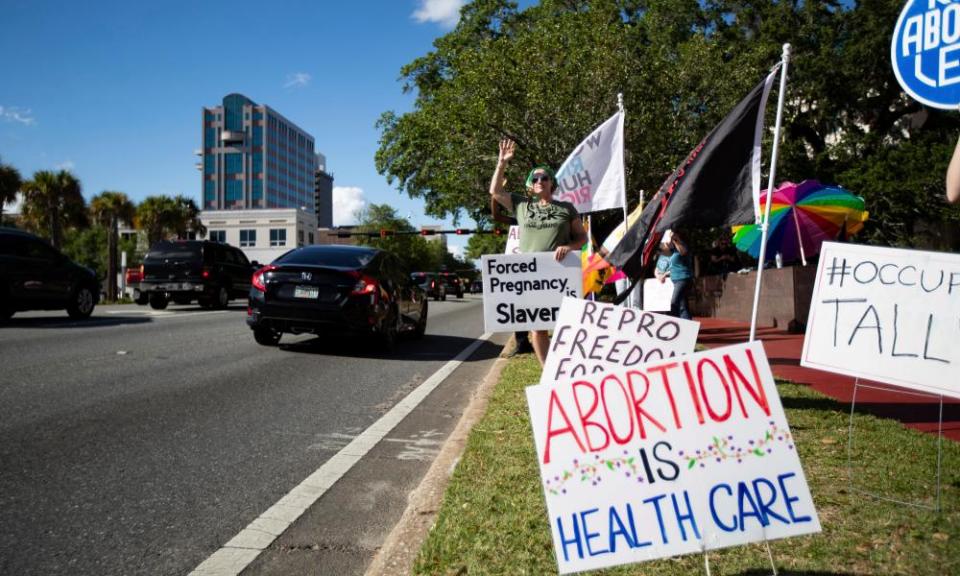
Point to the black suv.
(453, 282)
(184, 270)
(35, 276)
(431, 284)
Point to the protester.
(723, 257)
(545, 224)
(681, 273)
(520, 342)
(662, 269)
(953, 176)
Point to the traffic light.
(498, 231)
(427, 232)
(462, 231)
(385, 233)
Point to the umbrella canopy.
(803, 216)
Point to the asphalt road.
(139, 441)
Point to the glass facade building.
(252, 157)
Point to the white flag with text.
(591, 178)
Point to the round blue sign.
(925, 52)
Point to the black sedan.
(329, 289)
(36, 276)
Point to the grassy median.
(493, 518)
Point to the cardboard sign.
(925, 52)
(887, 314)
(671, 457)
(657, 295)
(524, 291)
(592, 337)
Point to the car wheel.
(223, 297)
(266, 336)
(421, 328)
(158, 301)
(387, 334)
(81, 306)
(142, 298)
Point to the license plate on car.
(306, 292)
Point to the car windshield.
(421, 277)
(327, 256)
(174, 252)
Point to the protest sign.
(925, 52)
(591, 178)
(592, 337)
(513, 241)
(657, 295)
(671, 457)
(886, 314)
(524, 291)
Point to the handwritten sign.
(657, 295)
(592, 337)
(671, 457)
(524, 291)
(925, 52)
(887, 314)
(513, 241)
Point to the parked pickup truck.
(186, 270)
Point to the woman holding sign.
(546, 225)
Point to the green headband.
(544, 168)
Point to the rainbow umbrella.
(802, 217)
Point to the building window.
(310, 237)
(257, 162)
(257, 136)
(218, 236)
(210, 191)
(248, 238)
(234, 190)
(209, 164)
(257, 192)
(278, 237)
(299, 237)
(233, 163)
(209, 137)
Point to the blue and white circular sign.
(925, 52)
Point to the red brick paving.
(784, 350)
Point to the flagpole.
(773, 171)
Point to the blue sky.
(113, 90)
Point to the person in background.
(546, 225)
(520, 343)
(681, 272)
(953, 176)
(662, 270)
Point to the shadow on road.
(430, 349)
(67, 322)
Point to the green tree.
(53, 201)
(187, 218)
(162, 217)
(412, 248)
(480, 244)
(10, 183)
(108, 209)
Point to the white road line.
(244, 548)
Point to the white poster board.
(672, 457)
(592, 337)
(524, 291)
(657, 295)
(513, 241)
(886, 314)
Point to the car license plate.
(306, 292)
(174, 287)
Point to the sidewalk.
(784, 350)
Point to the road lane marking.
(244, 548)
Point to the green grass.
(493, 519)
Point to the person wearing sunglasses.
(546, 225)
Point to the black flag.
(713, 186)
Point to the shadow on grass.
(755, 572)
(908, 413)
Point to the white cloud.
(456, 250)
(14, 114)
(66, 165)
(443, 12)
(297, 80)
(347, 201)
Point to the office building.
(323, 193)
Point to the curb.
(401, 547)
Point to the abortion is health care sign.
(592, 337)
(886, 314)
(524, 291)
(671, 457)
(925, 52)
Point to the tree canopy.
(548, 74)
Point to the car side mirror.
(255, 264)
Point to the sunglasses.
(540, 178)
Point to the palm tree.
(109, 208)
(10, 183)
(187, 218)
(155, 216)
(53, 201)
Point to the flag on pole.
(591, 178)
(712, 187)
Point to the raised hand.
(507, 147)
